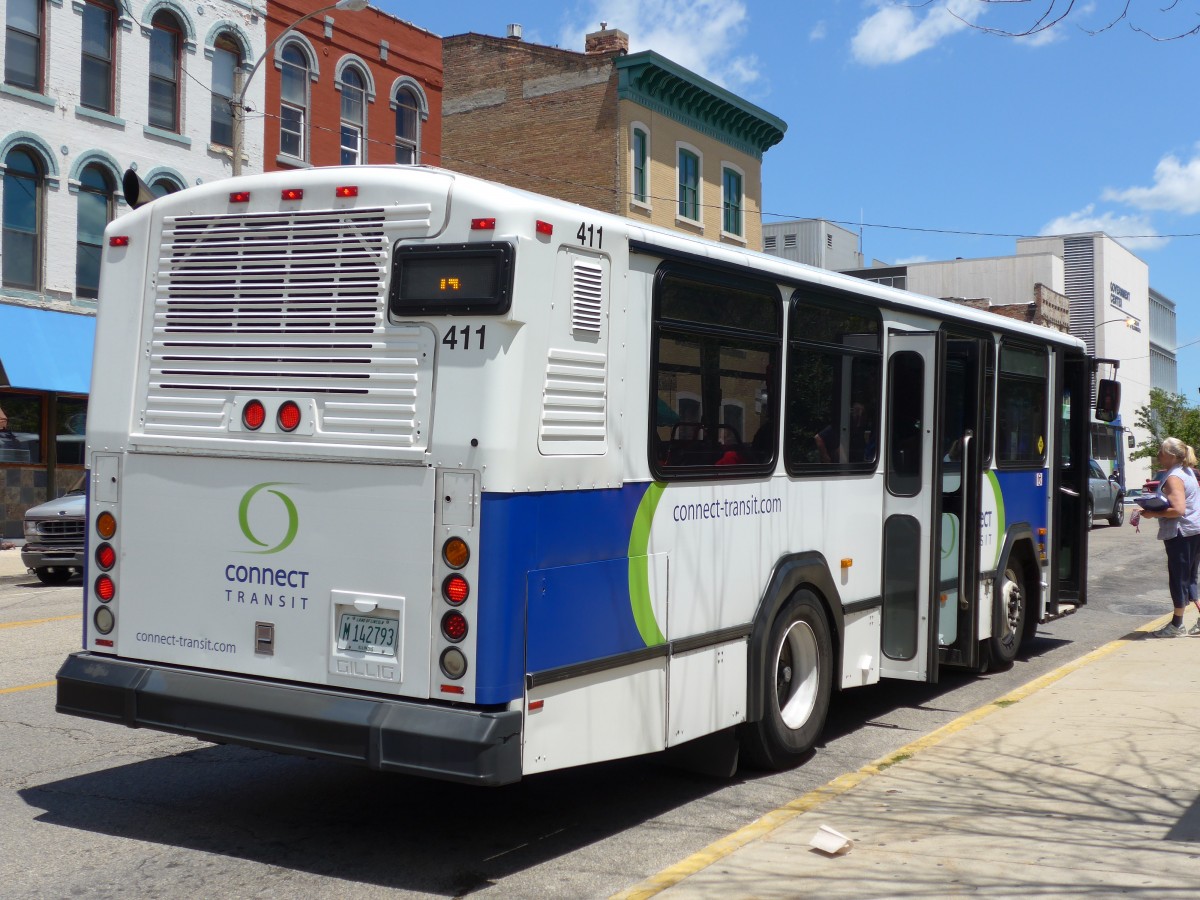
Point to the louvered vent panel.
(574, 403)
(1079, 273)
(587, 297)
(283, 303)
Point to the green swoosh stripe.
(639, 567)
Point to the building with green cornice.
(633, 134)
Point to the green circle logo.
(293, 517)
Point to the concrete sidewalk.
(1082, 783)
(10, 562)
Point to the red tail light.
(544, 227)
(106, 556)
(253, 415)
(289, 416)
(454, 626)
(483, 224)
(106, 589)
(346, 191)
(119, 240)
(239, 197)
(455, 589)
(292, 194)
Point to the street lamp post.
(241, 83)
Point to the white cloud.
(1176, 187)
(894, 32)
(819, 31)
(701, 35)
(1134, 232)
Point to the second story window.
(225, 61)
(96, 70)
(293, 100)
(641, 177)
(164, 72)
(94, 213)
(689, 185)
(408, 121)
(23, 44)
(731, 202)
(24, 179)
(353, 111)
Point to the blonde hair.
(1190, 459)
(1176, 448)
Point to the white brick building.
(91, 88)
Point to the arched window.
(96, 62)
(353, 116)
(293, 102)
(95, 210)
(160, 187)
(165, 38)
(225, 60)
(23, 44)
(24, 180)
(408, 124)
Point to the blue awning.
(45, 350)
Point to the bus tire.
(1008, 616)
(797, 681)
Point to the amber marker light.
(456, 553)
(106, 525)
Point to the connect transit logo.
(268, 520)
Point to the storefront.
(45, 375)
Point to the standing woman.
(1178, 528)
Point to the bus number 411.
(451, 337)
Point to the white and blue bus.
(397, 466)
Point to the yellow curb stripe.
(28, 687)
(40, 621)
(760, 828)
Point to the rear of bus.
(281, 554)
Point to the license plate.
(367, 634)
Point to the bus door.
(912, 494)
(1069, 483)
(961, 518)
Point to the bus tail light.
(253, 415)
(456, 590)
(483, 224)
(288, 416)
(106, 588)
(291, 194)
(106, 556)
(348, 190)
(239, 197)
(454, 626)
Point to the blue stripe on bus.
(553, 584)
(1024, 500)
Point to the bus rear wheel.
(1008, 619)
(797, 681)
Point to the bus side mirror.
(1108, 400)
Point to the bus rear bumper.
(392, 735)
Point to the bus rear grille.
(283, 303)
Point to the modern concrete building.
(1108, 302)
(90, 89)
(629, 133)
(814, 242)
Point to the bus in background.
(400, 467)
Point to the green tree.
(1166, 415)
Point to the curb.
(768, 823)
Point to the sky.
(946, 128)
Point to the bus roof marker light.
(483, 224)
(292, 194)
(239, 197)
(847, 562)
(119, 240)
(544, 228)
(348, 190)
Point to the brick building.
(347, 87)
(631, 134)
